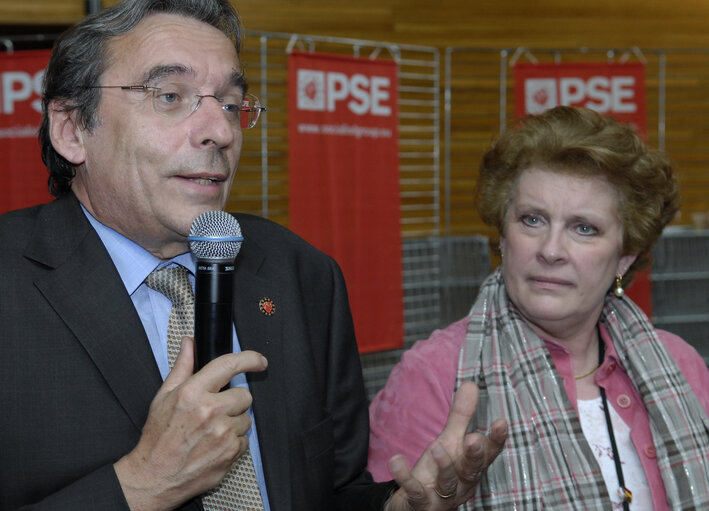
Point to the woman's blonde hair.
(581, 142)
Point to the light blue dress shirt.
(134, 264)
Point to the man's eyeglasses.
(179, 101)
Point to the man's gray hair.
(79, 59)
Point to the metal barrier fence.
(680, 285)
(261, 185)
(434, 295)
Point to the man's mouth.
(205, 180)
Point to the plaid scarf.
(547, 462)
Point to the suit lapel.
(262, 332)
(86, 291)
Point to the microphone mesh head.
(216, 236)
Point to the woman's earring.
(619, 292)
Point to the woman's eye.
(531, 220)
(586, 229)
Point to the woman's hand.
(450, 469)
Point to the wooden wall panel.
(41, 12)
(491, 22)
(648, 23)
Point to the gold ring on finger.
(444, 497)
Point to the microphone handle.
(214, 297)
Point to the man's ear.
(65, 132)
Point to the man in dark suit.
(144, 108)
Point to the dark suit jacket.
(77, 374)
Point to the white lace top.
(593, 423)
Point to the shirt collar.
(556, 348)
(132, 261)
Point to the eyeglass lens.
(180, 100)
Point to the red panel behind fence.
(344, 181)
(23, 178)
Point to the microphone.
(215, 240)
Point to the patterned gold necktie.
(239, 489)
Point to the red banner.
(615, 89)
(344, 181)
(23, 179)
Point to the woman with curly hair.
(604, 411)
